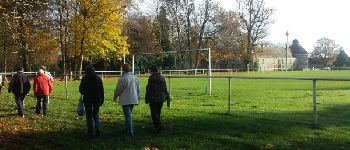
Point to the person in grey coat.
(128, 91)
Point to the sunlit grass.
(264, 114)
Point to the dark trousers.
(42, 100)
(19, 102)
(92, 116)
(155, 112)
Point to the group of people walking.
(92, 91)
(128, 91)
(42, 87)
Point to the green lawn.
(265, 114)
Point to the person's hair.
(153, 69)
(19, 68)
(41, 71)
(126, 67)
(89, 70)
(43, 68)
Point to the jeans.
(92, 110)
(44, 101)
(19, 102)
(127, 109)
(155, 112)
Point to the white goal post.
(209, 73)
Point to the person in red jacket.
(42, 89)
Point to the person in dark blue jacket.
(156, 95)
(20, 87)
(91, 88)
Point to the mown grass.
(265, 114)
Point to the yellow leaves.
(268, 146)
(151, 148)
(101, 27)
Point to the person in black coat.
(91, 88)
(156, 95)
(20, 87)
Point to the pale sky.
(305, 20)
(308, 21)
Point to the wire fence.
(229, 84)
(75, 74)
(170, 77)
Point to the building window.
(290, 61)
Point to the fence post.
(65, 85)
(209, 70)
(71, 76)
(229, 95)
(314, 101)
(168, 102)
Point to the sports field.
(265, 114)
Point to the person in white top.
(48, 74)
(128, 91)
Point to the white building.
(273, 59)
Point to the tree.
(164, 26)
(297, 48)
(99, 30)
(62, 11)
(206, 23)
(178, 12)
(255, 18)
(325, 50)
(183, 25)
(342, 59)
(227, 40)
(23, 19)
(139, 30)
(143, 37)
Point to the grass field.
(265, 114)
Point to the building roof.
(272, 52)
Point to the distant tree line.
(327, 53)
(62, 34)
(65, 35)
(182, 25)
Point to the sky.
(307, 21)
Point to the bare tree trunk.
(82, 43)
(67, 62)
(188, 33)
(81, 57)
(4, 48)
(75, 44)
(23, 47)
(201, 32)
(60, 11)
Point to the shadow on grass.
(7, 115)
(214, 130)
